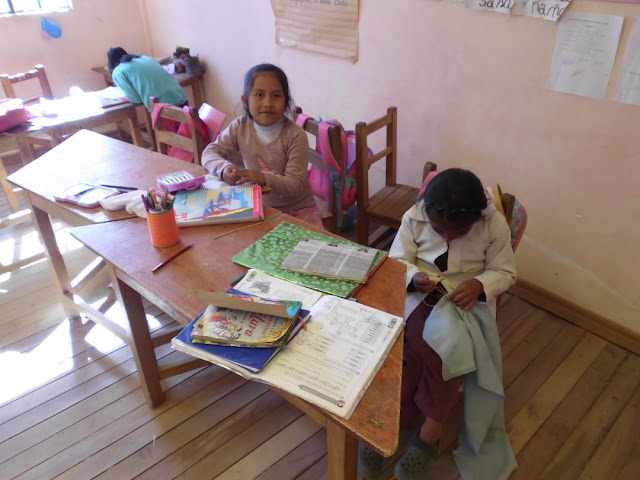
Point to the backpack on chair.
(342, 176)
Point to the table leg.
(58, 268)
(342, 453)
(27, 152)
(8, 188)
(196, 88)
(149, 127)
(135, 128)
(140, 343)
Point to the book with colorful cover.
(331, 364)
(238, 319)
(241, 360)
(281, 241)
(220, 205)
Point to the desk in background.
(66, 123)
(185, 80)
(208, 265)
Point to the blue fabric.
(468, 344)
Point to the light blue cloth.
(468, 344)
(143, 78)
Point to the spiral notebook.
(218, 205)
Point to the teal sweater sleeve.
(143, 78)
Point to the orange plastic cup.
(163, 228)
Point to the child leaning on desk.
(265, 147)
(453, 240)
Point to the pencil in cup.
(163, 228)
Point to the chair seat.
(390, 203)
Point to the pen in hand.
(170, 259)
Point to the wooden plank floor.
(71, 406)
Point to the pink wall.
(87, 33)
(470, 90)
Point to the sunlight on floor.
(65, 347)
(12, 251)
(20, 372)
(55, 355)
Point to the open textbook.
(331, 260)
(333, 362)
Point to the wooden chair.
(165, 138)
(38, 73)
(327, 210)
(386, 206)
(8, 82)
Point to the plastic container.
(163, 228)
(192, 66)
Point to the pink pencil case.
(181, 180)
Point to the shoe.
(417, 461)
(369, 462)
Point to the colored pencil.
(170, 259)
(118, 187)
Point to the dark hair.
(250, 78)
(117, 55)
(456, 194)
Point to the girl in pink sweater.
(265, 147)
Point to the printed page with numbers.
(333, 362)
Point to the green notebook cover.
(268, 253)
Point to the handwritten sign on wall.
(545, 9)
(326, 26)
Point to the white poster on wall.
(326, 26)
(585, 50)
(629, 84)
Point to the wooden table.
(69, 122)
(185, 80)
(87, 157)
(126, 247)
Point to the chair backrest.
(8, 81)
(176, 134)
(328, 210)
(506, 203)
(389, 152)
(214, 119)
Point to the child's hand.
(466, 294)
(250, 176)
(230, 175)
(422, 283)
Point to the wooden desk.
(67, 123)
(185, 80)
(126, 247)
(87, 157)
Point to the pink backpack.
(12, 113)
(342, 176)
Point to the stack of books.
(329, 364)
(245, 327)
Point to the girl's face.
(448, 229)
(266, 101)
